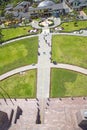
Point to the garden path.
(43, 70)
(29, 67)
(57, 22)
(69, 67)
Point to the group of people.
(46, 37)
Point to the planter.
(46, 22)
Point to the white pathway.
(18, 70)
(43, 71)
(69, 67)
(29, 67)
(7, 42)
(75, 33)
(57, 21)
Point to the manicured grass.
(85, 10)
(18, 53)
(15, 32)
(68, 83)
(70, 50)
(70, 26)
(19, 85)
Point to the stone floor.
(59, 114)
(62, 112)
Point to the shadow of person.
(38, 121)
(18, 113)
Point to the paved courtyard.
(59, 114)
(62, 113)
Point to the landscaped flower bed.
(46, 22)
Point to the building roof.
(77, 0)
(24, 3)
(9, 7)
(21, 5)
(60, 6)
(18, 7)
(37, 0)
(53, 7)
(46, 3)
(81, 3)
(15, 13)
(24, 15)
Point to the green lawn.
(85, 10)
(19, 85)
(70, 50)
(70, 26)
(66, 83)
(15, 32)
(18, 53)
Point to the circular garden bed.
(46, 22)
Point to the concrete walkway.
(69, 67)
(7, 42)
(57, 22)
(75, 33)
(43, 71)
(18, 70)
(30, 67)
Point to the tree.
(9, 17)
(1, 35)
